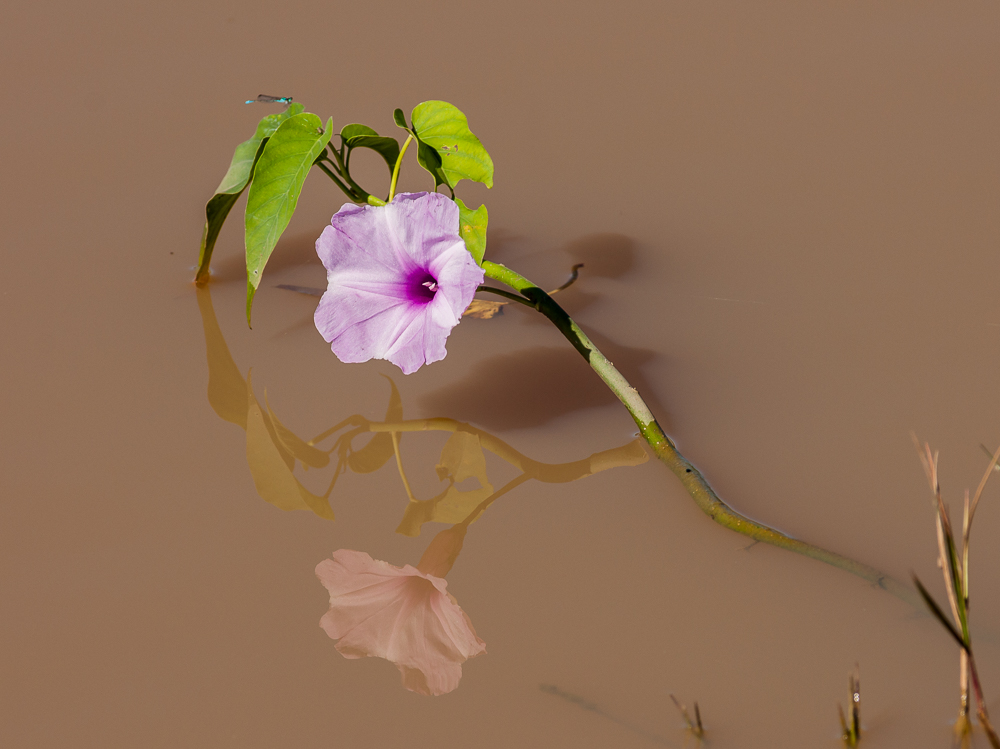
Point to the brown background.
(789, 215)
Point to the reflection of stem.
(482, 506)
(399, 465)
(352, 421)
(333, 482)
(696, 484)
(550, 473)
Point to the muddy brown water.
(788, 215)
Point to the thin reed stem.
(954, 563)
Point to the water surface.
(788, 220)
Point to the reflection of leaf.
(232, 398)
(462, 458)
(227, 390)
(451, 506)
(272, 450)
(298, 447)
(268, 461)
(374, 455)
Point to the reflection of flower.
(401, 614)
(399, 278)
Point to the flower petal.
(363, 325)
(458, 278)
(426, 225)
(361, 238)
(420, 342)
(399, 278)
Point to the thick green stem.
(336, 180)
(506, 295)
(360, 193)
(667, 452)
(395, 170)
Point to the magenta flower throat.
(399, 278)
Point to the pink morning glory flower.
(402, 614)
(399, 278)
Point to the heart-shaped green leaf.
(472, 227)
(232, 185)
(362, 136)
(352, 131)
(428, 158)
(444, 128)
(278, 177)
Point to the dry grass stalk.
(953, 559)
(694, 726)
(850, 731)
